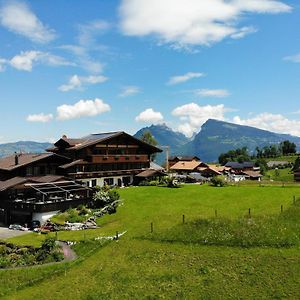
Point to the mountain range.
(214, 138)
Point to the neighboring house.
(247, 165)
(186, 167)
(275, 164)
(31, 165)
(242, 171)
(175, 159)
(213, 170)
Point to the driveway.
(5, 233)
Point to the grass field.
(138, 268)
(283, 175)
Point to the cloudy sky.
(80, 67)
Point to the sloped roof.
(150, 173)
(184, 158)
(252, 174)
(73, 163)
(237, 165)
(4, 185)
(186, 165)
(155, 166)
(10, 183)
(8, 162)
(92, 139)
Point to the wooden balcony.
(96, 159)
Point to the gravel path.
(68, 252)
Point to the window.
(94, 182)
(109, 181)
(29, 171)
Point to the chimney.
(16, 159)
(64, 136)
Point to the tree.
(288, 147)
(148, 138)
(239, 155)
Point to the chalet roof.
(10, 183)
(186, 165)
(47, 178)
(73, 163)
(92, 139)
(4, 185)
(252, 174)
(150, 173)
(184, 158)
(237, 165)
(8, 162)
(155, 166)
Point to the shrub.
(105, 197)
(217, 181)
(48, 244)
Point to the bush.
(48, 244)
(217, 181)
(105, 197)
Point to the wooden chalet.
(36, 186)
(112, 158)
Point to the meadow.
(173, 261)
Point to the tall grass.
(260, 231)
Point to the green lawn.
(282, 175)
(138, 268)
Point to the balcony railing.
(118, 158)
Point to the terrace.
(41, 197)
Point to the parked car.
(17, 227)
(34, 224)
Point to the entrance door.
(119, 182)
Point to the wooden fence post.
(294, 200)
(183, 219)
(216, 213)
(249, 212)
(151, 227)
(117, 235)
(281, 208)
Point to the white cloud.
(83, 108)
(43, 118)
(184, 23)
(18, 18)
(3, 62)
(87, 32)
(293, 58)
(150, 116)
(195, 115)
(183, 78)
(271, 122)
(220, 93)
(243, 32)
(83, 58)
(129, 91)
(77, 82)
(25, 60)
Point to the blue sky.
(80, 67)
